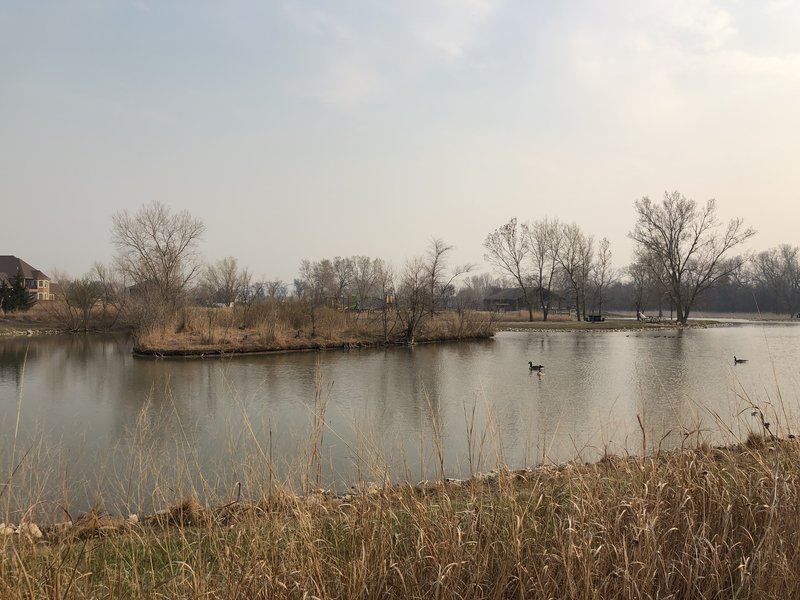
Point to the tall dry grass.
(278, 325)
(704, 523)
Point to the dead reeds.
(711, 523)
(286, 326)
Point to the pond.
(85, 423)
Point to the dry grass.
(37, 319)
(286, 326)
(706, 523)
(517, 316)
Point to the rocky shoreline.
(31, 332)
(190, 513)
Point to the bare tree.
(641, 284)
(603, 274)
(544, 240)
(384, 284)
(476, 288)
(114, 300)
(157, 249)
(440, 281)
(777, 272)
(365, 277)
(75, 308)
(424, 283)
(688, 245)
(508, 249)
(225, 281)
(59, 276)
(320, 284)
(275, 289)
(343, 276)
(575, 260)
(412, 297)
(316, 287)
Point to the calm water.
(95, 423)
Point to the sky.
(304, 130)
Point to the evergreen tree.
(5, 296)
(16, 296)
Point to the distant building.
(512, 299)
(36, 282)
(509, 299)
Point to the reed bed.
(700, 523)
(288, 325)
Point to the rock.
(30, 529)
(313, 501)
(6, 529)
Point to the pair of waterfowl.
(533, 367)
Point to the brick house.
(36, 282)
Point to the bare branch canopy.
(688, 250)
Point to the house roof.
(507, 294)
(10, 265)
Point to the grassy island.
(700, 523)
(282, 327)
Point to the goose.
(738, 361)
(534, 367)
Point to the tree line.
(157, 271)
(684, 256)
(547, 259)
(682, 251)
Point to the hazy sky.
(313, 129)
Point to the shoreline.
(610, 324)
(189, 512)
(697, 522)
(15, 328)
(220, 352)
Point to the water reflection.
(102, 426)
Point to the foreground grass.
(706, 523)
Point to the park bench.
(595, 318)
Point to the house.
(36, 282)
